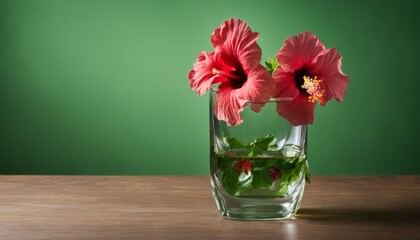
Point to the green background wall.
(101, 87)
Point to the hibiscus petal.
(298, 51)
(328, 68)
(202, 77)
(228, 106)
(298, 112)
(285, 84)
(223, 62)
(259, 87)
(235, 38)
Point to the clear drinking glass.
(258, 168)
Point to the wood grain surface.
(181, 207)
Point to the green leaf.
(271, 65)
(224, 163)
(228, 174)
(234, 143)
(283, 190)
(259, 145)
(291, 171)
(253, 151)
(259, 163)
(263, 142)
(307, 174)
(230, 180)
(261, 179)
(291, 167)
(256, 147)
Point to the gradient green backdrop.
(101, 87)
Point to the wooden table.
(175, 207)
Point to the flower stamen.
(313, 87)
(225, 74)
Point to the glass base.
(257, 208)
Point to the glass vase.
(258, 168)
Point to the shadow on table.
(380, 216)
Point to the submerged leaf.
(261, 179)
(307, 174)
(230, 180)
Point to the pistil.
(225, 74)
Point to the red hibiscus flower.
(243, 166)
(235, 65)
(308, 73)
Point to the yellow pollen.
(313, 87)
(215, 71)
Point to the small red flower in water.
(275, 173)
(243, 165)
(308, 73)
(235, 65)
